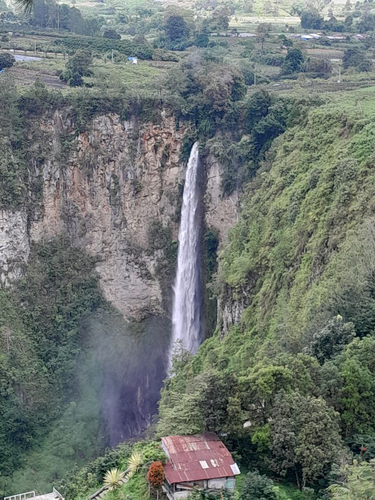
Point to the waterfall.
(186, 318)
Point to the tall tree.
(305, 437)
(176, 28)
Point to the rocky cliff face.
(14, 245)
(221, 213)
(115, 190)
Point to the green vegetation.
(12, 166)
(113, 479)
(77, 67)
(257, 486)
(359, 482)
(6, 60)
(54, 415)
(289, 384)
(299, 367)
(100, 45)
(40, 331)
(79, 484)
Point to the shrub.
(113, 479)
(155, 474)
(111, 34)
(135, 462)
(258, 487)
(6, 60)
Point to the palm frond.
(25, 5)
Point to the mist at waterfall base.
(186, 317)
(125, 363)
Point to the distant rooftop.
(195, 458)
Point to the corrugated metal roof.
(186, 453)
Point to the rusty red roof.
(194, 458)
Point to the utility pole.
(339, 72)
(112, 56)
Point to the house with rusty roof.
(201, 461)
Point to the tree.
(111, 34)
(332, 339)
(256, 108)
(201, 40)
(77, 67)
(75, 80)
(199, 494)
(293, 62)
(357, 369)
(207, 402)
(75, 22)
(176, 28)
(305, 436)
(262, 33)
(348, 22)
(359, 483)
(6, 60)
(259, 389)
(311, 19)
(40, 14)
(219, 21)
(353, 58)
(367, 23)
(318, 68)
(257, 487)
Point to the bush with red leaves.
(155, 474)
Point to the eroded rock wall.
(221, 212)
(14, 244)
(115, 189)
(114, 192)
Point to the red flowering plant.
(155, 474)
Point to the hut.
(201, 461)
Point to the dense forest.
(280, 97)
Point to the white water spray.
(186, 318)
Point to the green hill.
(298, 367)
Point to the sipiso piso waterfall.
(186, 317)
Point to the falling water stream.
(186, 318)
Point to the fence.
(22, 496)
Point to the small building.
(201, 461)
